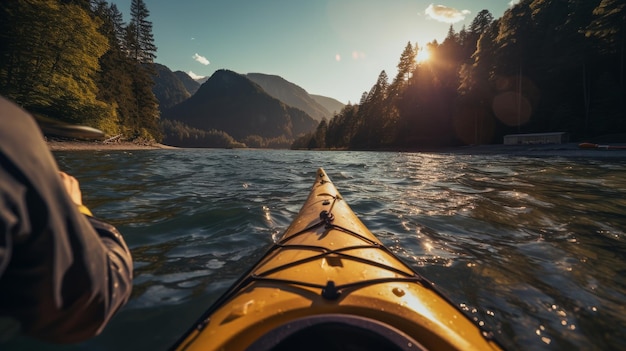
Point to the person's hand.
(72, 187)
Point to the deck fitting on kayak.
(330, 291)
(327, 217)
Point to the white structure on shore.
(536, 138)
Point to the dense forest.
(78, 62)
(545, 66)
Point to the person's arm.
(63, 274)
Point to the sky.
(334, 48)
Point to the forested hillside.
(77, 61)
(191, 85)
(168, 88)
(290, 94)
(231, 103)
(332, 105)
(544, 66)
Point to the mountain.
(232, 103)
(190, 84)
(168, 88)
(290, 94)
(330, 104)
(201, 80)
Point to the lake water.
(533, 247)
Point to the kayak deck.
(330, 283)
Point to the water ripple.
(533, 248)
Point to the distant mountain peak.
(232, 103)
(291, 94)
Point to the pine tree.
(139, 42)
(481, 23)
(118, 26)
(142, 48)
(373, 115)
(405, 67)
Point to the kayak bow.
(329, 284)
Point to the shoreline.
(76, 145)
(565, 150)
(539, 150)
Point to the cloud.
(203, 60)
(445, 14)
(513, 3)
(194, 76)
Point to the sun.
(423, 55)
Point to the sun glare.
(423, 55)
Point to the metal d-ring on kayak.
(330, 284)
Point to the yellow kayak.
(330, 284)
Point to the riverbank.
(565, 150)
(74, 145)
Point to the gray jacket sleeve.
(62, 274)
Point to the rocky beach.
(76, 145)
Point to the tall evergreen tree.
(405, 68)
(142, 46)
(119, 27)
(139, 43)
(481, 23)
(475, 89)
(373, 115)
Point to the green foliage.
(609, 24)
(257, 141)
(50, 57)
(179, 134)
(69, 60)
(302, 142)
(105, 119)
